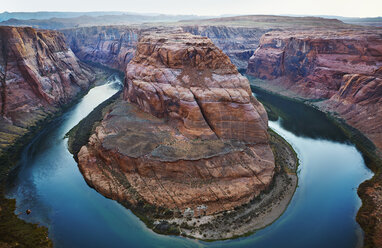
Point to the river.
(321, 213)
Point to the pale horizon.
(351, 8)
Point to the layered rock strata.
(342, 66)
(114, 46)
(359, 102)
(341, 71)
(238, 43)
(111, 46)
(188, 135)
(38, 73)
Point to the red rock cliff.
(343, 69)
(359, 102)
(313, 63)
(38, 73)
(340, 65)
(114, 46)
(192, 138)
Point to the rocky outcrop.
(111, 46)
(38, 73)
(188, 135)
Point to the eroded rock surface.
(188, 135)
(359, 102)
(341, 65)
(238, 43)
(114, 46)
(191, 82)
(313, 63)
(111, 46)
(341, 71)
(38, 73)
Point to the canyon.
(114, 46)
(339, 72)
(38, 74)
(197, 143)
(238, 37)
(340, 69)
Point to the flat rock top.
(179, 50)
(343, 34)
(137, 134)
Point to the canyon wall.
(114, 46)
(111, 46)
(340, 66)
(359, 102)
(38, 73)
(187, 136)
(341, 70)
(238, 43)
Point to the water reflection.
(300, 119)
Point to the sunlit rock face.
(38, 73)
(187, 136)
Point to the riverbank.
(260, 212)
(14, 231)
(370, 191)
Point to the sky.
(349, 8)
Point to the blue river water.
(321, 213)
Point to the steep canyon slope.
(114, 46)
(38, 73)
(342, 66)
(238, 37)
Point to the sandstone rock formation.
(340, 65)
(238, 37)
(38, 73)
(114, 46)
(188, 136)
(191, 82)
(359, 102)
(111, 46)
(341, 70)
(238, 43)
(313, 63)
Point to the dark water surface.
(321, 213)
